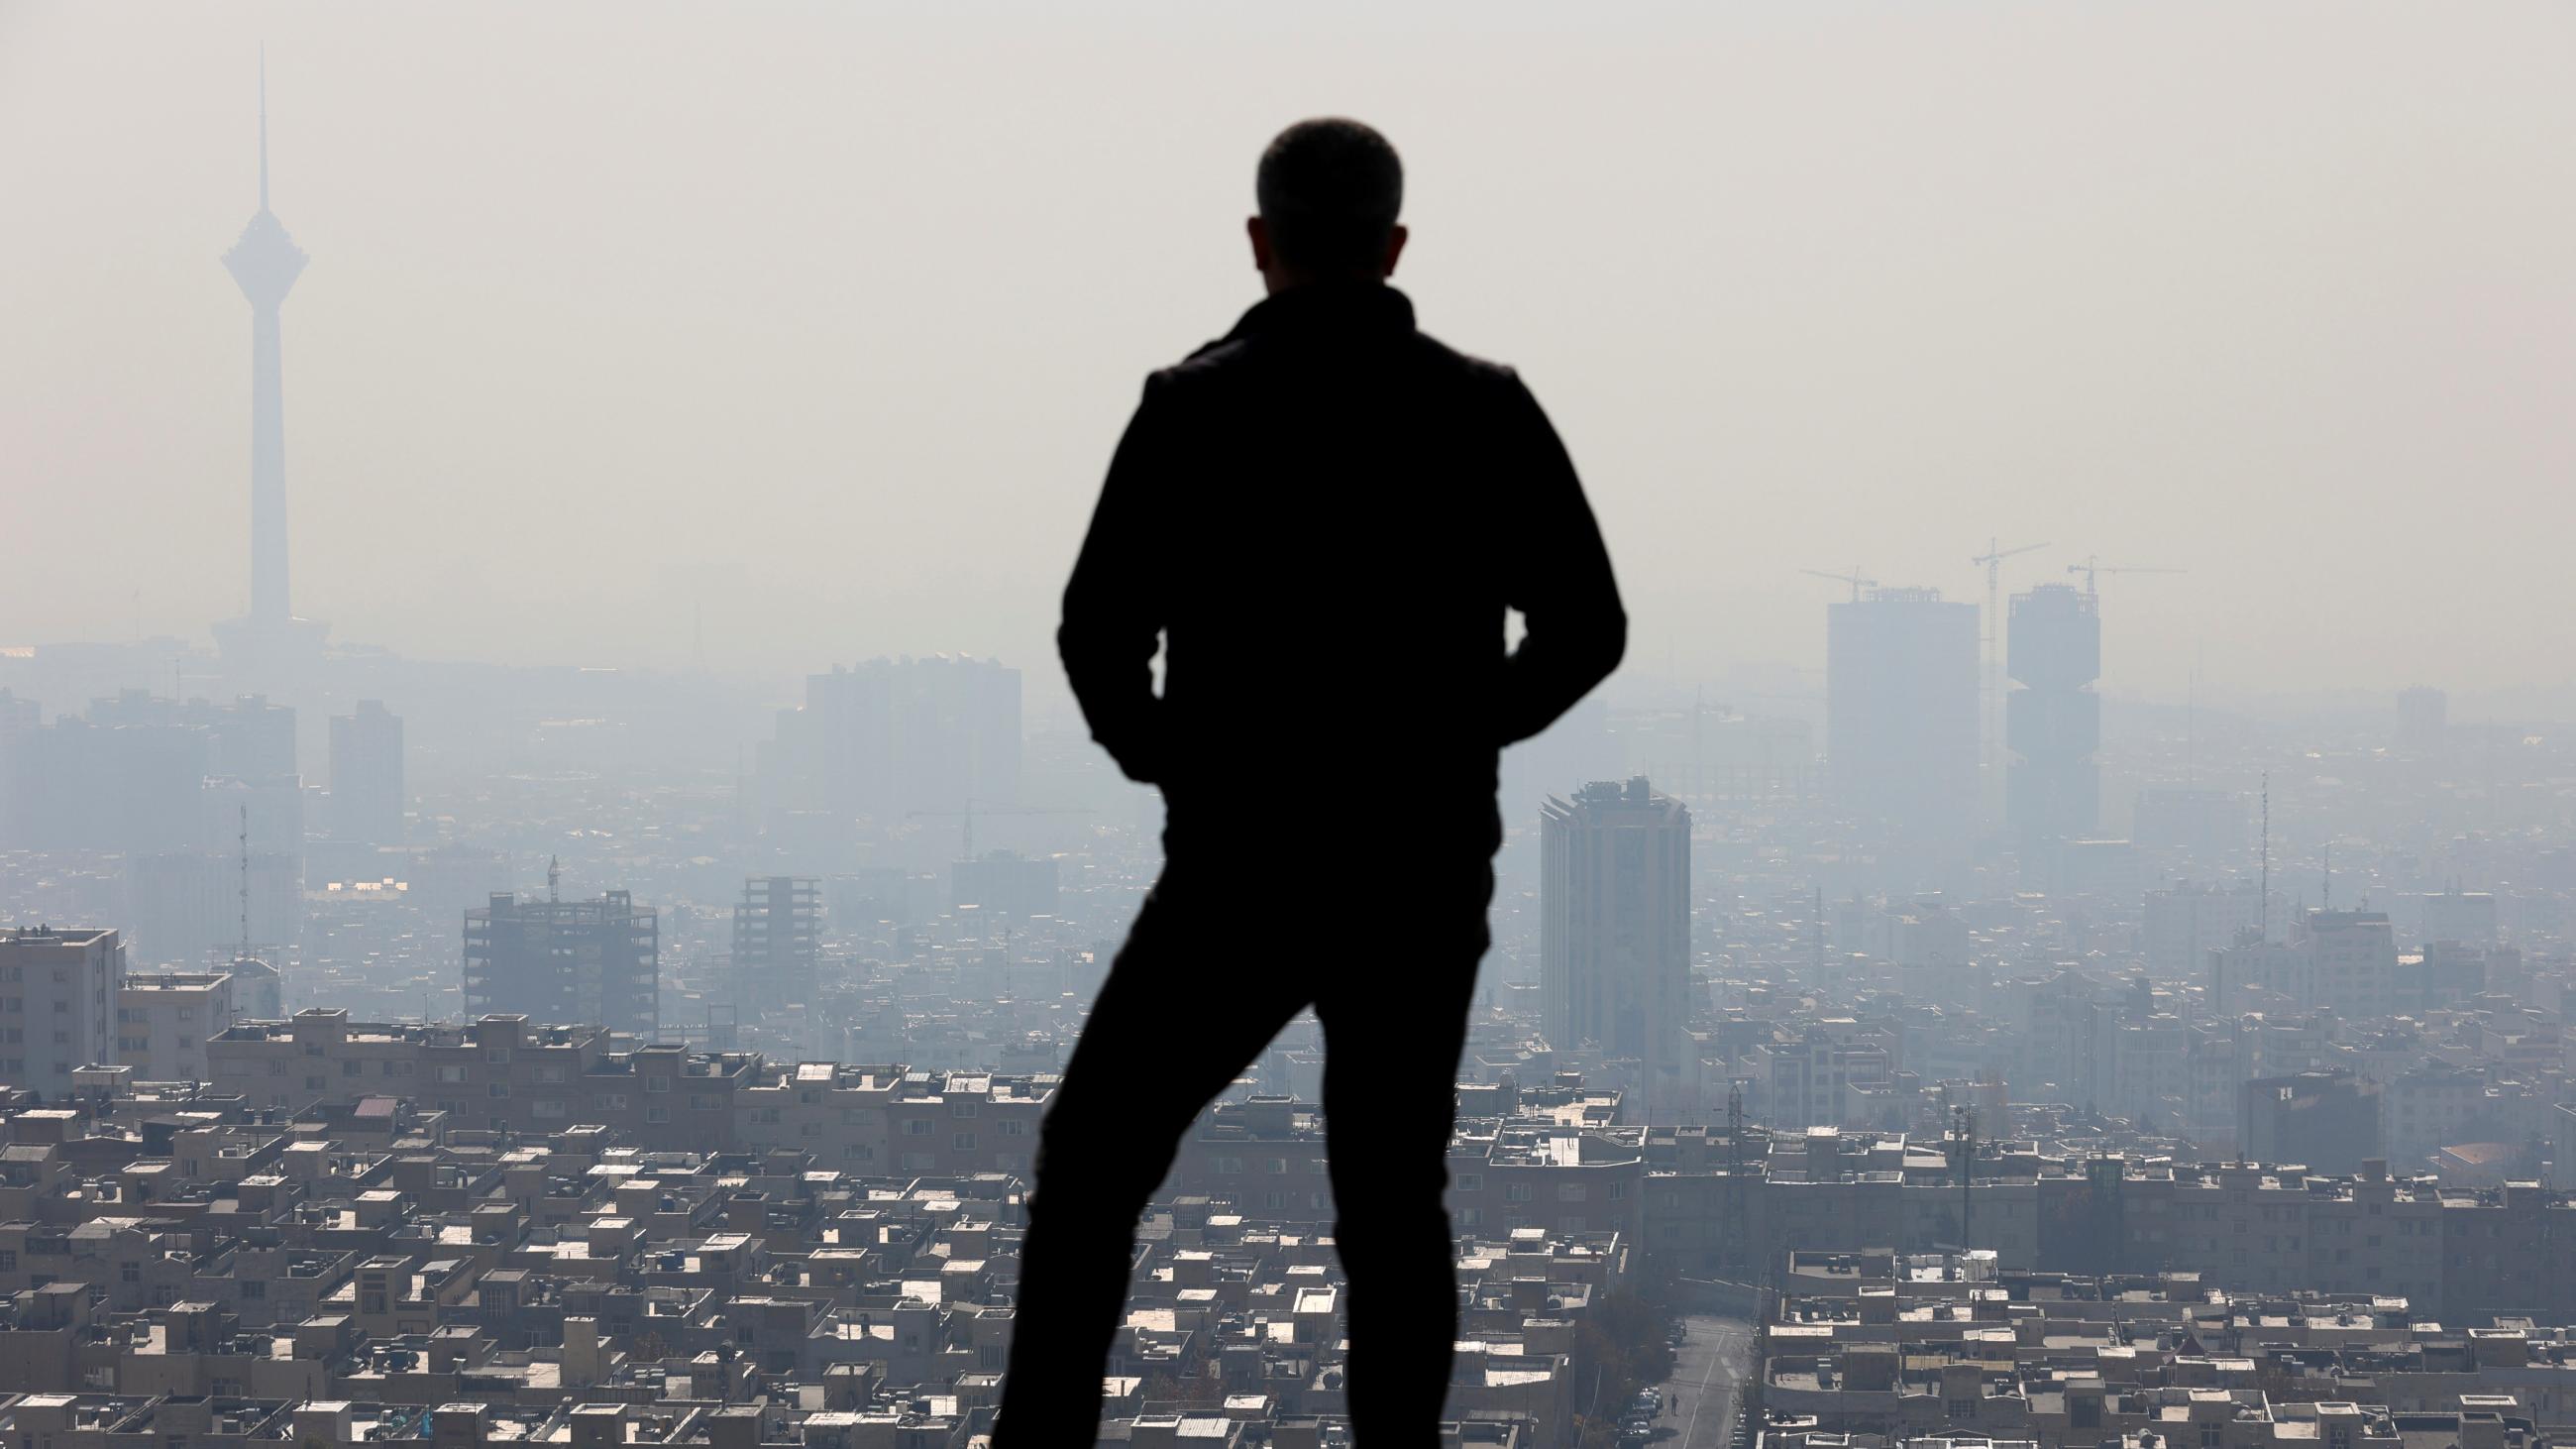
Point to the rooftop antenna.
(1967, 1178)
(2263, 908)
(2326, 901)
(1820, 934)
(554, 878)
(245, 880)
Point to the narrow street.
(1707, 1366)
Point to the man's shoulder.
(1479, 369)
(1231, 357)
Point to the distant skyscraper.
(897, 735)
(569, 963)
(265, 263)
(1901, 711)
(1614, 921)
(777, 941)
(2423, 720)
(2053, 721)
(367, 775)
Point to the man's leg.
(1170, 1029)
(1393, 1028)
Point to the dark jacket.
(1324, 516)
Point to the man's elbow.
(1609, 643)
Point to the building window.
(962, 1142)
(657, 1113)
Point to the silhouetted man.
(1322, 520)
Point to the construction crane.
(1992, 561)
(2092, 565)
(1853, 578)
(972, 810)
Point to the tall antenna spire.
(2264, 907)
(245, 881)
(263, 125)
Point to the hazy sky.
(823, 320)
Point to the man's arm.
(1113, 618)
(1575, 630)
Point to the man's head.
(1330, 190)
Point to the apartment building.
(887, 1119)
(59, 989)
(163, 1020)
(497, 1073)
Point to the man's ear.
(1259, 231)
(1395, 240)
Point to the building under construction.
(566, 962)
(777, 939)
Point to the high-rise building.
(2053, 720)
(2184, 923)
(594, 962)
(2465, 917)
(2355, 956)
(1901, 711)
(777, 941)
(1614, 923)
(2423, 720)
(58, 997)
(892, 736)
(2328, 1121)
(265, 263)
(367, 775)
(140, 774)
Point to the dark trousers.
(1210, 973)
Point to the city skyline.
(674, 963)
(400, 415)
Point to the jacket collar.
(1327, 307)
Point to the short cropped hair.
(1330, 190)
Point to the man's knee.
(1381, 1231)
(1103, 1166)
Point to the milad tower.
(269, 641)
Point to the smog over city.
(1831, 726)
